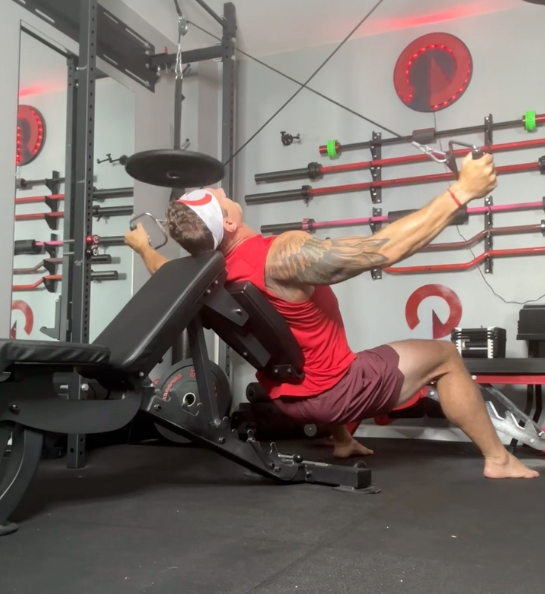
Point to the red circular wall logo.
(440, 329)
(433, 72)
(30, 134)
(28, 314)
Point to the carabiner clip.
(433, 154)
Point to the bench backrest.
(144, 330)
(265, 340)
(159, 312)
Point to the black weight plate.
(173, 168)
(180, 382)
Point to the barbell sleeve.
(284, 196)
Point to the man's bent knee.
(450, 350)
(450, 358)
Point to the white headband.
(206, 206)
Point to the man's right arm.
(138, 240)
(297, 259)
(152, 259)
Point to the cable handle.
(476, 153)
(157, 222)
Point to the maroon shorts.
(371, 387)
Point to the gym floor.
(183, 520)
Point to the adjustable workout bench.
(186, 293)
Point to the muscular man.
(295, 271)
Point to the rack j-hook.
(122, 160)
(288, 139)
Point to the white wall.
(306, 23)
(115, 134)
(361, 76)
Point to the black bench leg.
(18, 470)
(539, 404)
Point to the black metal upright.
(178, 113)
(65, 318)
(228, 100)
(228, 126)
(81, 218)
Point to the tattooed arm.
(297, 259)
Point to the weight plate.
(180, 382)
(174, 168)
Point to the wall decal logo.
(440, 329)
(28, 314)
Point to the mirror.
(114, 141)
(40, 157)
(43, 117)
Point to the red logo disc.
(30, 134)
(440, 329)
(433, 72)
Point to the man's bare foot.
(508, 467)
(352, 448)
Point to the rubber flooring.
(182, 520)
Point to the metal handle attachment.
(159, 224)
(476, 152)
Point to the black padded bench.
(186, 293)
(506, 367)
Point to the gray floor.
(184, 521)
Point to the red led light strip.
(39, 140)
(19, 156)
(422, 51)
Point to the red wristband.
(453, 196)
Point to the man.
(295, 271)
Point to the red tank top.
(316, 324)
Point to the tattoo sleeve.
(300, 258)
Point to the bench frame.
(30, 406)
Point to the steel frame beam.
(76, 302)
(229, 84)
